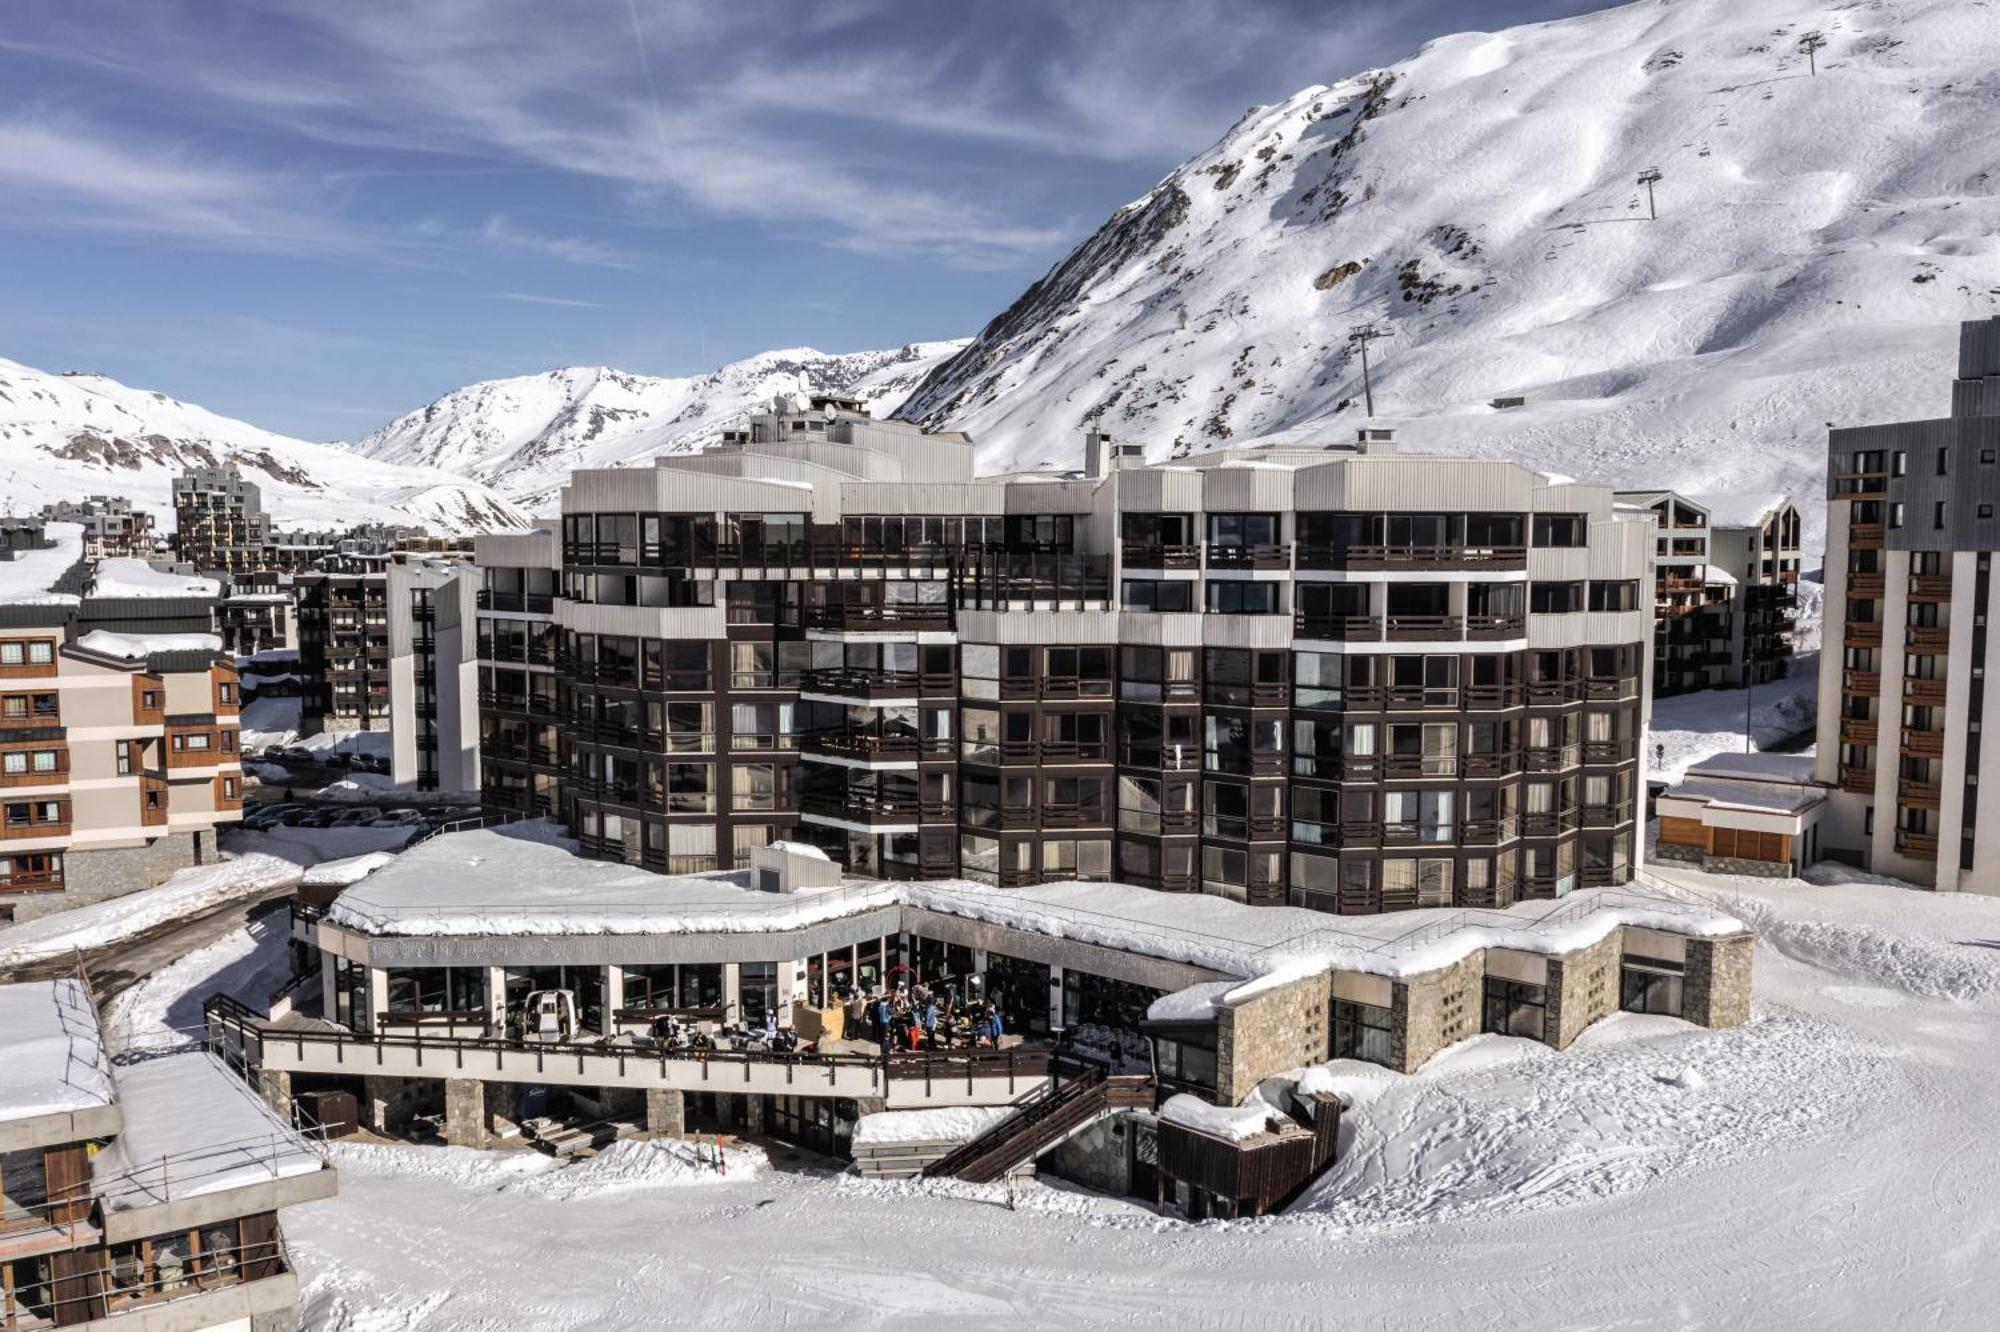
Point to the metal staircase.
(1076, 1096)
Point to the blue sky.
(314, 214)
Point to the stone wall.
(1762, 869)
(388, 1104)
(1716, 991)
(98, 876)
(1280, 1028)
(666, 1112)
(1436, 1009)
(1583, 987)
(1099, 1157)
(1692, 855)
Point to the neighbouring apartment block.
(1725, 589)
(1333, 676)
(118, 738)
(1908, 672)
(219, 520)
(111, 526)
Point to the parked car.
(399, 818)
(358, 817)
(317, 818)
(296, 754)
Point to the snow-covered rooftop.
(138, 647)
(127, 577)
(51, 1050)
(505, 882)
(1761, 797)
(193, 1128)
(1757, 767)
(26, 579)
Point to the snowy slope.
(65, 436)
(1817, 239)
(524, 435)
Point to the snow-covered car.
(399, 818)
(358, 817)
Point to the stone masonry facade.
(1435, 1010)
(1716, 990)
(1281, 1028)
(1582, 988)
(98, 876)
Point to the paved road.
(117, 967)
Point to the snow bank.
(128, 577)
(630, 1164)
(191, 892)
(164, 1010)
(461, 1167)
(955, 1124)
(51, 1051)
(345, 871)
(137, 647)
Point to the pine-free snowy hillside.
(1817, 240)
(524, 435)
(70, 435)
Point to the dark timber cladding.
(1335, 676)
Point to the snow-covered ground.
(1687, 728)
(1827, 1165)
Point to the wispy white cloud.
(531, 298)
(500, 231)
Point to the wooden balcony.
(1860, 781)
(1867, 683)
(1919, 795)
(1934, 637)
(1930, 587)
(1865, 585)
(1923, 744)
(1863, 633)
(1917, 846)
(1866, 536)
(1923, 691)
(1855, 731)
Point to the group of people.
(917, 1017)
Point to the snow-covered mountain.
(1479, 203)
(70, 435)
(523, 436)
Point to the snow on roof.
(958, 1123)
(1757, 767)
(806, 849)
(1751, 508)
(1764, 797)
(26, 579)
(1715, 573)
(138, 647)
(128, 577)
(1197, 1003)
(51, 1050)
(498, 882)
(192, 1128)
(1237, 1123)
(347, 870)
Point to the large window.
(437, 989)
(1515, 1008)
(1651, 985)
(1363, 1031)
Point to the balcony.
(1147, 555)
(1338, 628)
(1258, 556)
(529, 603)
(867, 617)
(1859, 781)
(1412, 557)
(1847, 484)
(1923, 744)
(876, 808)
(868, 685)
(1863, 633)
(1930, 587)
(1919, 795)
(1866, 536)
(1487, 628)
(1934, 637)
(1424, 628)
(1916, 845)
(1867, 683)
(1865, 585)
(1923, 691)
(1857, 731)
(871, 748)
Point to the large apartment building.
(1911, 531)
(219, 520)
(1725, 588)
(118, 730)
(1336, 676)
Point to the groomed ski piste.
(1827, 1164)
